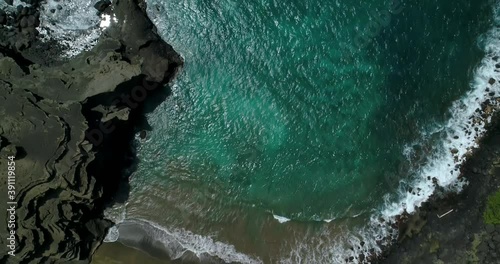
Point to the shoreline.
(104, 172)
(435, 235)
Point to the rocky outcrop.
(18, 30)
(69, 123)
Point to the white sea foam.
(112, 235)
(178, 241)
(458, 137)
(75, 26)
(12, 8)
(281, 219)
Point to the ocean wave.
(281, 219)
(175, 242)
(458, 137)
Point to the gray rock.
(42, 109)
(23, 23)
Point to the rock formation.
(69, 123)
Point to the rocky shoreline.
(450, 228)
(70, 123)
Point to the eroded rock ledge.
(70, 125)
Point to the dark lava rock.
(102, 5)
(3, 17)
(490, 228)
(491, 81)
(23, 23)
(24, 11)
(491, 245)
(9, 2)
(30, 2)
(33, 21)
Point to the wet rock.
(491, 81)
(23, 23)
(483, 248)
(491, 245)
(9, 2)
(102, 5)
(24, 11)
(3, 17)
(454, 151)
(21, 44)
(30, 2)
(143, 135)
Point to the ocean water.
(298, 130)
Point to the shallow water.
(293, 125)
(117, 253)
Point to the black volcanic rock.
(102, 5)
(3, 17)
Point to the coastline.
(70, 122)
(436, 235)
(103, 191)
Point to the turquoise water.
(281, 109)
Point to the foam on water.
(178, 241)
(458, 137)
(281, 219)
(76, 26)
(112, 235)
